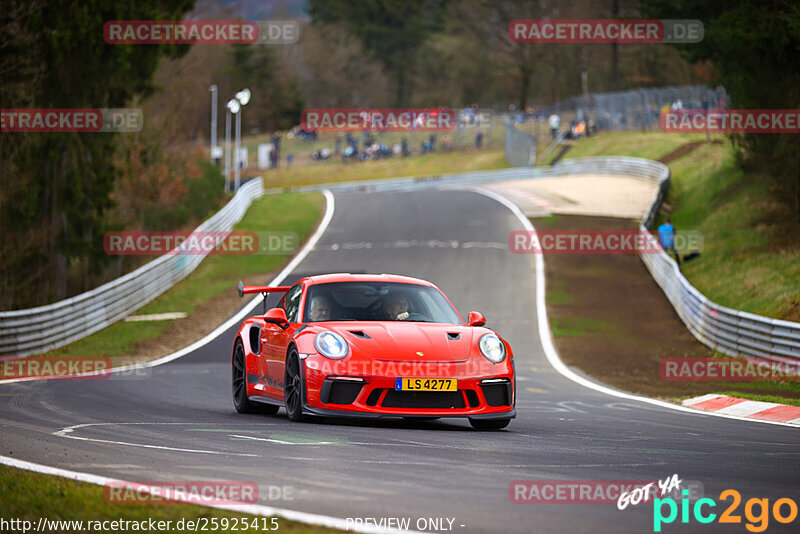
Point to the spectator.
(289, 160)
(666, 236)
(479, 140)
(572, 132)
(404, 146)
(555, 124)
(445, 146)
(276, 140)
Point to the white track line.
(549, 347)
(255, 509)
(238, 318)
(68, 433)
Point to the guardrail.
(37, 330)
(732, 332)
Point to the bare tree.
(488, 21)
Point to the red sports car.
(371, 346)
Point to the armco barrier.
(728, 331)
(36, 330)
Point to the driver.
(395, 306)
(320, 309)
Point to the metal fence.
(36, 330)
(520, 147)
(638, 109)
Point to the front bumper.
(485, 390)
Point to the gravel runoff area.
(599, 195)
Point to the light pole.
(233, 107)
(213, 90)
(242, 97)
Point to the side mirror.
(276, 316)
(476, 319)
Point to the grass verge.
(431, 164)
(650, 145)
(29, 496)
(751, 255)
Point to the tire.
(293, 387)
(489, 424)
(239, 386)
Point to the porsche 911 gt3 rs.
(371, 346)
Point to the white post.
(241, 100)
(237, 170)
(227, 150)
(213, 90)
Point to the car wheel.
(489, 424)
(293, 387)
(239, 385)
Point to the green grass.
(577, 326)
(30, 496)
(431, 164)
(288, 212)
(558, 296)
(751, 257)
(650, 145)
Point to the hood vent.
(453, 335)
(359, 333)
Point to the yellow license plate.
(426, 384)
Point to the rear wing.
(264, 290)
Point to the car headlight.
(331, 345)
(492, 348)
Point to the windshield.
(377, 301)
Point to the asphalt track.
(176, 421)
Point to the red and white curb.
(764, 411)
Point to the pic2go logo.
(757, 522)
